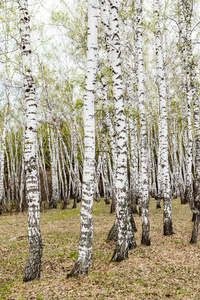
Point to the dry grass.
(169, 268)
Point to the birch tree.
(83, 261)
(125, 236)
(144, 192)
(185, 9)
(196, 204)
(163, 137)
(33, 264)
(2, 158)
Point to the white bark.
(22, 181)
(125, 239)
(166, 188)
(53, 148)
(144, 193)
(33, 263)
(2, 158)
(186, 60)
(86, 234)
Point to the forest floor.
(168, 269)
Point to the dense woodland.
(99, 99)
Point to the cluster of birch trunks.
(119, 150)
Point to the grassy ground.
(169, 268)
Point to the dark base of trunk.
(112, 207)
(184, 200)
(75, 203)
(64, 205)
(132, 243)
(33, 264)
(79, 198)
(193, 217)
(133, 223)
(97, 198)
(167, 228)
(134, 210)
(158, 205)
(140, 211)
(187, 196)
(107, 201)
(195, 229)
(78, 269)
(145, 239)
(53, 205)
(112, 235)
(120, 253)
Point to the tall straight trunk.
(83, 261)
(125, 236)
(44, 173)
(77, 182)
(2, 159)
(22, 183)
(185, 13)
(105, 179)
(196, 204)
(97, 196)
(53, 148)
(65, 199)
(133, 160)
(9, 177)
(107, 33)
(166, 187)
(33, 264)
(159, 154)
(144, 193)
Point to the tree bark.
(83, 261)
(144, 186)
(166, 187)
(33, 264)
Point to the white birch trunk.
(83, 262)
(33, 264)
(97, 196)
(166, 187)
(77, 182)
(45, 179)
(105, 19)
(2, 158)
(144, 193)
(186, 59)
(133, 157)
(53, 148)
(22, 181)
(196, 203)
(125, 238)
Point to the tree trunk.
(144, 193)
(83, 261)
(166, 187)
(33, 264)
(125, 237)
